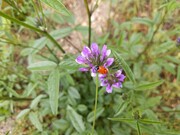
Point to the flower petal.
(109, 62)
(118, 73)
(85, 52)
(81, 60)
(117, 85)
(109, 88)
(95, 49)
(121, 77)
(104, 83)
(108, 53)
(102, 76)
(94, 69)
(103, 53)
(93, 74)
(84, 69)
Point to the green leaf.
(73, 92)
(69, 65)
(145, 121)
(60, 124)
(35, 102)
(35, 120)
(138, 128)
(23, 113)
(57, 5)
(125, 66)
(42, 65)
(76, 119)
(121, 108)
(13, 92)
(53, 90)
(82, 108)
(178, 74)
(90, 116)
(148, 85)
(145, 21)
(122, 119)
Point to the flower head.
(178, 42)
(112, 80)
(91, 57)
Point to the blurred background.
(146, 34)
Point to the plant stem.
(138, 128)
(16, 99)
(95, 105)
(89, 21)
(32, 28)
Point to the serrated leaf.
(57, 5)
(73, 92)
(35, 102)
(23, 113)
(76, 119)
(35, 120)
(145, 121)
(125, 66)
(53, 90)
(42, 65)
(148, 85)
(122, 119)
(90, 116)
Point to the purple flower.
(93, 56)
(178, 42)
(112, 80)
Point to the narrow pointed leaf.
(76, 119)
(149, 121)
(35, 120)
(35, 102)
(122, 119)
(148, 85)
(57, 5)
(90, 116)
(121, 108)
(53, 90)
(23, 113)
(42, 65)
(138, 128)
(125, 66)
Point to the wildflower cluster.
(98, 61)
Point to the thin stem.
(32, 28)
(51, 51)
(18, 99)
(138, 128)
(89, 21)
(95, 105)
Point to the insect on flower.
(101, 69)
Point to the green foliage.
(40, 82)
